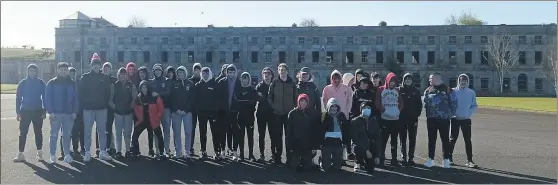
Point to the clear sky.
(34, 22)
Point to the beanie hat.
(96, 60)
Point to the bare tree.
(382, 23)
(136, 22)
(504, 55)
(309, 23)
(549, 67)
(465, 18)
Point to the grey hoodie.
(466, 100)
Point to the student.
(306, 86)
(61, 104)
(182, 94)
(358, 74)
(362, 95)
(170, 77)
(122, 95)
(93, 91)
(160, 88)
(245, 96)
(77, 129)
(466, 106)
(133, 75)
(223, 72)
(333, 121)
(367, 137)
(300, 133)
(390, 104)
(228, 116)
(409, 118)
(440, 104)
(196, 69)
(106, 70)
(282, 99)
(343, 94)
(348, 79)
(264, 113)
(148, 110)
(206, 106)
(143, 74)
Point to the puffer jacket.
(300, 134)
(281, 95)
(311, 90)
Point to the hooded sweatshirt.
(333, 123)
(360, 72)
(148, 108)
(440, 102)
(159, 84)
(366, 133)
(30, 92)
(138, 79)
(361, 96)
(389, 101)
(342, 93)
(281, 95)
(195, 79)
(226, 90)
(61, 96)
(167, 101)
(206, 93)
(94, 91)
(412, 100)
(311, 90)
(182, 93)
(134, 78)
(223, 72)
(264, 108)
(301, 126)
(466, 100)
(245, 96)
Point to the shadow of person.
(54, 173)
(529, 177)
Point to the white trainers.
(356, 168)
(178, 155)
(68, 159)
(52, 159)
(223, 155)
(447, 163)
(471, 164)
(87, 156)
(40, 155)
(20, 157)
(429, 163)
(103, 155)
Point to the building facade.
(421, 50)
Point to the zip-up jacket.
(122, 97)
(366, 134)
(281, 95)
(160, 86)
(301, 127)
(154, 106)
(29, 94)
(440, 102)
(411, 99)
(264, 108)
(61, 96)
(206, 94)
(328, 129)
(223, 88)
(182, 94)
(94, 89)
(311, 90)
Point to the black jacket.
(245, 98)
(310, 89)
(327, 126)
(161, 87)
(412, 101)
(264, 108)
(182, 95)
(360, 96)
(206, 95)
(300, 134)
(366, 134)
(94, 91)
(223, 91)
(122, 97)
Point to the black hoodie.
(245, 96)
(182, 93)
(411, 99)
(362, 96)
(195, 79)
(310, 89)
(264, 108)
(167, 100)
(206, 91)
(366, 133)
(137, 82)
(301, 128)
(223, 88)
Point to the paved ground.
(510, 147)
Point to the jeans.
(123, 125)
(63, 122)
(177, 121)
(97, 117)
(442, 126)
(166, 123)
(110, 136)
(28, 117)
(465, 126)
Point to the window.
(282, 40)
(254, 57)
(484, 39)
(468, 39)
(452, 57)
(521, 60)
(522, 39)
(379, 57)
(120, 40)
(315, 40)
(209, 56)
(431, 40)
(416, 57)
(268, 57)
(300, 40)
(90, 40)
(453, 39)
(538, 57)
(506, 84)
(103, 55)
(538, 39)
(222, 56)
(400, 56)
(191, 57)
(134, 40)
(178, 40)
(484, 57)
(364, 56)
(365, 40)
(267, 40)
(330, 57)
(120, 56)
(415, 39)
(484, 84)
(400, 40)
(349, 57)
(146, 40)
(539, 84)
(236, 56)
(223, 40)
(282, 57)
(468, 57)
(300, 57)
(254, 40)
(164, 56)
(208, 40)
(416, 80)
(236, 40)
(350, 40)
(522, 83)
(164, 40)
(453, 82)
(315, 56)
(329, 40)
(431, 57)
(77, 56)
(191, 40)
(146, 56)
(379, 40)
(103, 40)
(471, 81)
(134, 56)
(177, 56)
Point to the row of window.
(400, 40)
(522, 83)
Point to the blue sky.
(34, 22)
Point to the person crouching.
(301, 122)
(367, 138)
(332, 145)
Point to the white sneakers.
(68, 159)
(103, 155)
(430, 162)
(20, 157)
(447, 163)
(87, 156)
(356, 168)
(235, 156)
(52, 159)
(40, 155)
(471, 164)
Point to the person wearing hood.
(228, 112)
(300, 134)
(306, 86)
(106, 70)
(367, 138)
(148, 110)
(349, 79)
(206, 106)
(223, 72)
(123, 93)
(409, 118)
(60, 102)
(333, 123)
(196, 70)
(77, 129)
(246, 98)
(143, 74)
(466, 106)
(183, 95)
(440, 104)
(160, 88)
(390, 103)
(342, 93)
(94, 89)
(358, 74)
(167, 102)
(362, 95)
(281, 97)
(264, 113)
(133, 76)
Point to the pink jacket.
(342, 93)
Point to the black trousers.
(139, 129)
(347, 140)
(408, 130)
(263, 122)
(77, 134)
(244, 126)
(302, 158)
(465, 126)
(226, 121)
(229, 132)
(194, 125)
(204, 117)
(362, 159)
(390, 128)
(110, 122)
(218, 131)
(276, 128)
(28, 117)
(434, 126)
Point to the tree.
(549, 68)
(309, 23)
(136, 22)
(382, 23)
(504, 55)
(465, 18)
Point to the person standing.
(390, 103)
(409, 118)
(367, 137)
(106, 70)
(358, 74)
(343, 94)
(349, 79)
(123, 93)
(466, 106)
(160, 88)
(281, 97)
(228, 117)
(306, 86)
(440, 103)
(196, 70)
(182, 94)
(61, 104)
(264, 111)
(148, 110)
(245, 96)
(77, 129)
(300, 133)
(167, 114)
(362, 95)
(206, 106)
(133, 75)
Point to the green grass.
(8, 88)
(542, 105)
(25, 54)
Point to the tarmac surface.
(509, 147)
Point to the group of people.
(358, 117)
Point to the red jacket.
(156, 109)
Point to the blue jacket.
(440, 103)
(29, 94)
(61, 96)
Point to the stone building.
(449, 49)
(14, 70)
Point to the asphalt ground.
(509, 147)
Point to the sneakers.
(429, 163)
(61, 158)
(128, 154)
(40, 155)
(52, 159)
(20, 157)
(471, 164)
(356, 168)
(68, 159)
(411, 162)
(451, 161)
(251, 158)
(204, 156)
(261, 159)
(151, 153)
(87, 156)
(394, 162)
(351, 156)
(235, 156)
(446, 163)
(103, 155)
(118, 155)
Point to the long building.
(421, 50)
